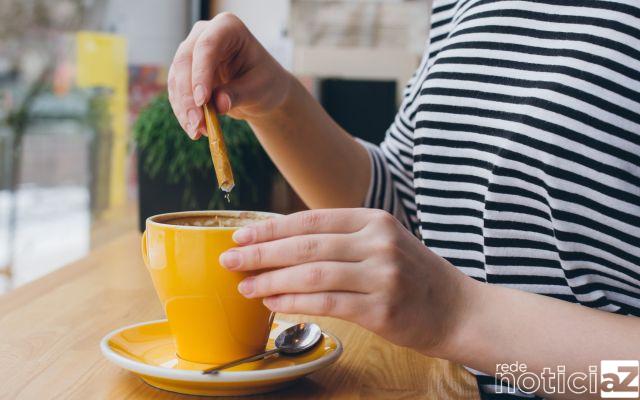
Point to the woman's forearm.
(506, 326)
(325, 165)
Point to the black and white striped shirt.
(516, 150)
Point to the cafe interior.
(90, 151)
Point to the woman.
(510, 181)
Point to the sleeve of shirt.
(391, 187)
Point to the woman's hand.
(221, 61)
(360, 265)
(221, 56)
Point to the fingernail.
(193, 119)
(243, 236)
(270, 302)
(230, 259)
(190, 131)
(225, 104)
(246, 286)
(199, 95)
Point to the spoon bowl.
(296, 339)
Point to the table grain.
(50, 330)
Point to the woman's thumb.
(222, 101)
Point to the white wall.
(153, 28)
(265, 18)
(268, 21)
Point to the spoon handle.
(215, 370)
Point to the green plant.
(169, 153)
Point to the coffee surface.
(230, 221)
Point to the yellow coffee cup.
(210, 321)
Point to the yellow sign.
(101, 61)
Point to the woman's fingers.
(218, 43)
(179, 85)
(293, 251)
(344, 305)
(313, 277)
(345, 220)
(175, 99)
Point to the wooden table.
(50, 330)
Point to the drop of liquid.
(227, 197)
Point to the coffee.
(219, 221)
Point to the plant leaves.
(170, 153)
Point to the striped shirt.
(515, 153)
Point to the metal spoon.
(293, 340)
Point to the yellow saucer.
(147, 349)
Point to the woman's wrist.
(462, 319)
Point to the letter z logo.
(620, 379)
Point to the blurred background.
(89, 147)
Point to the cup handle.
(143, 247)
